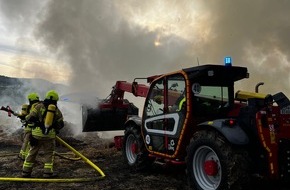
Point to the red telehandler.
(195, 117)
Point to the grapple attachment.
(108, 117)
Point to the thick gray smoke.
(19, 16)
(102, 46)
(104, 41)
(256, 35)
(101, 43)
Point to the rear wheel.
(213, 165)
(134, 150)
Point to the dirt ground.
(107, 158)
(99, 151)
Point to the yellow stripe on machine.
(244, 95)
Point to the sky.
(90, 44)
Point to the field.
(101, 152)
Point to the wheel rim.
(204, 156)
(131, 149)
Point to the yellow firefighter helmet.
(51, 95)
(33, 97)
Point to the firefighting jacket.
(37, 116)
(28, 127)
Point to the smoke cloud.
(104, 41)
(255, 34)
(100, 45)
(19, 16)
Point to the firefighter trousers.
(48, 147)
(25, 145)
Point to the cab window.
(210, 99)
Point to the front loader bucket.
(108, 117)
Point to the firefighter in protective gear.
(33, 99)
(42, 138)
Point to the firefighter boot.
(49, 175)
(26, 174)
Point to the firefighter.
(43, 136)
(33, 100)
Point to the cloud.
(26, 63)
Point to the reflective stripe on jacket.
(28, 127)
(37, 132)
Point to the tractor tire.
(134, 150)
(212, 164)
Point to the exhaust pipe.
(257, 86)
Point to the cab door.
(163, 114)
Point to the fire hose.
(9, 111)
(64, 180)
(80, 155)
(61, 155)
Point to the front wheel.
(213, 165)
(134, 150)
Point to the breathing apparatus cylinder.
(49, 117)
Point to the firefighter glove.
(21, 117)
